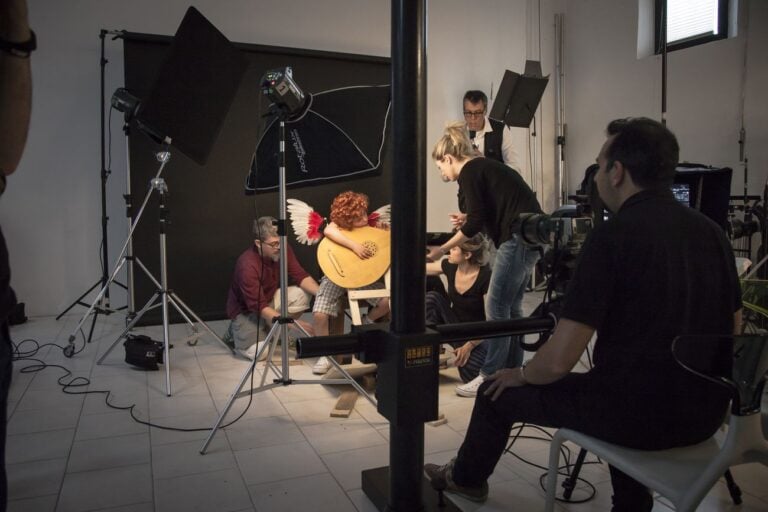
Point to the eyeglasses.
(479, 113)
(274, 245)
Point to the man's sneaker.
(470, 388)
(322, 366)
(441, 479)
(250, 352)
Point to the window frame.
(659, 15)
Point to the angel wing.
(306, 221)
(380, 218)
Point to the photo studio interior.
(161, 129)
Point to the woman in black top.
(495, 196)
(468, 277)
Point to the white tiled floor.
(71, 453)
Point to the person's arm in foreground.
(553, 361)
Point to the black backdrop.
(210, 217)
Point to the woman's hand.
(462, 353)
(457, 219)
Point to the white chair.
(685, 475)
(355, 296)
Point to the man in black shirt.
(655, 270)
(16, 43)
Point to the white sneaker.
(470, 388)
(449, 355)
(322, 366)
(250, 352)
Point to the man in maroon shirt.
(254, 295)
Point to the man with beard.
(254, 298)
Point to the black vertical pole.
(409, 81)
(663, 43)
(104, 177)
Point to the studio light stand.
(104, 304)
(288, 101)
(127, 103)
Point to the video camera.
(561, 236)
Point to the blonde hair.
(454, 142)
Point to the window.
(690, 22)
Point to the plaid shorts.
(327, 298)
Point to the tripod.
(165, 295)
(103, 307)
(279, 330)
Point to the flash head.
(278, 85)
(125, 102)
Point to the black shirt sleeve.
(591, 290)
(472, 190)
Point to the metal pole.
(160, 185)
(409, 81)
(104, 177)
(281, 232)
(562, 179)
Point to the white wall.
(51, 211)
(606, 80)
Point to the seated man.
(655, 270)
(254, 295)
(349, 210)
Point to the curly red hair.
(347, 207)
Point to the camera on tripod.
(561, 236)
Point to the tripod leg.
(93, 324)
(570, 483)
(270, 342)
(733, 488)
(175, 299)
(79, 299)
(69, 350)
(231, 400)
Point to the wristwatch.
(22, 49)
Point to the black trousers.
(439, 312)
(6, 371)
(565, 403)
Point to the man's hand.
(306, 326)
(503, 379)
(457, 219)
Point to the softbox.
(192, 93)
(340, 135)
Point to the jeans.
(512, 270)
(439, 312)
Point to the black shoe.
(441, 479)
(228, 341)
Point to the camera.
(567, 228)
(560, 237)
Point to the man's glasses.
(274, 245)
(479, 113)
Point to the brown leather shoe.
(441, 479)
